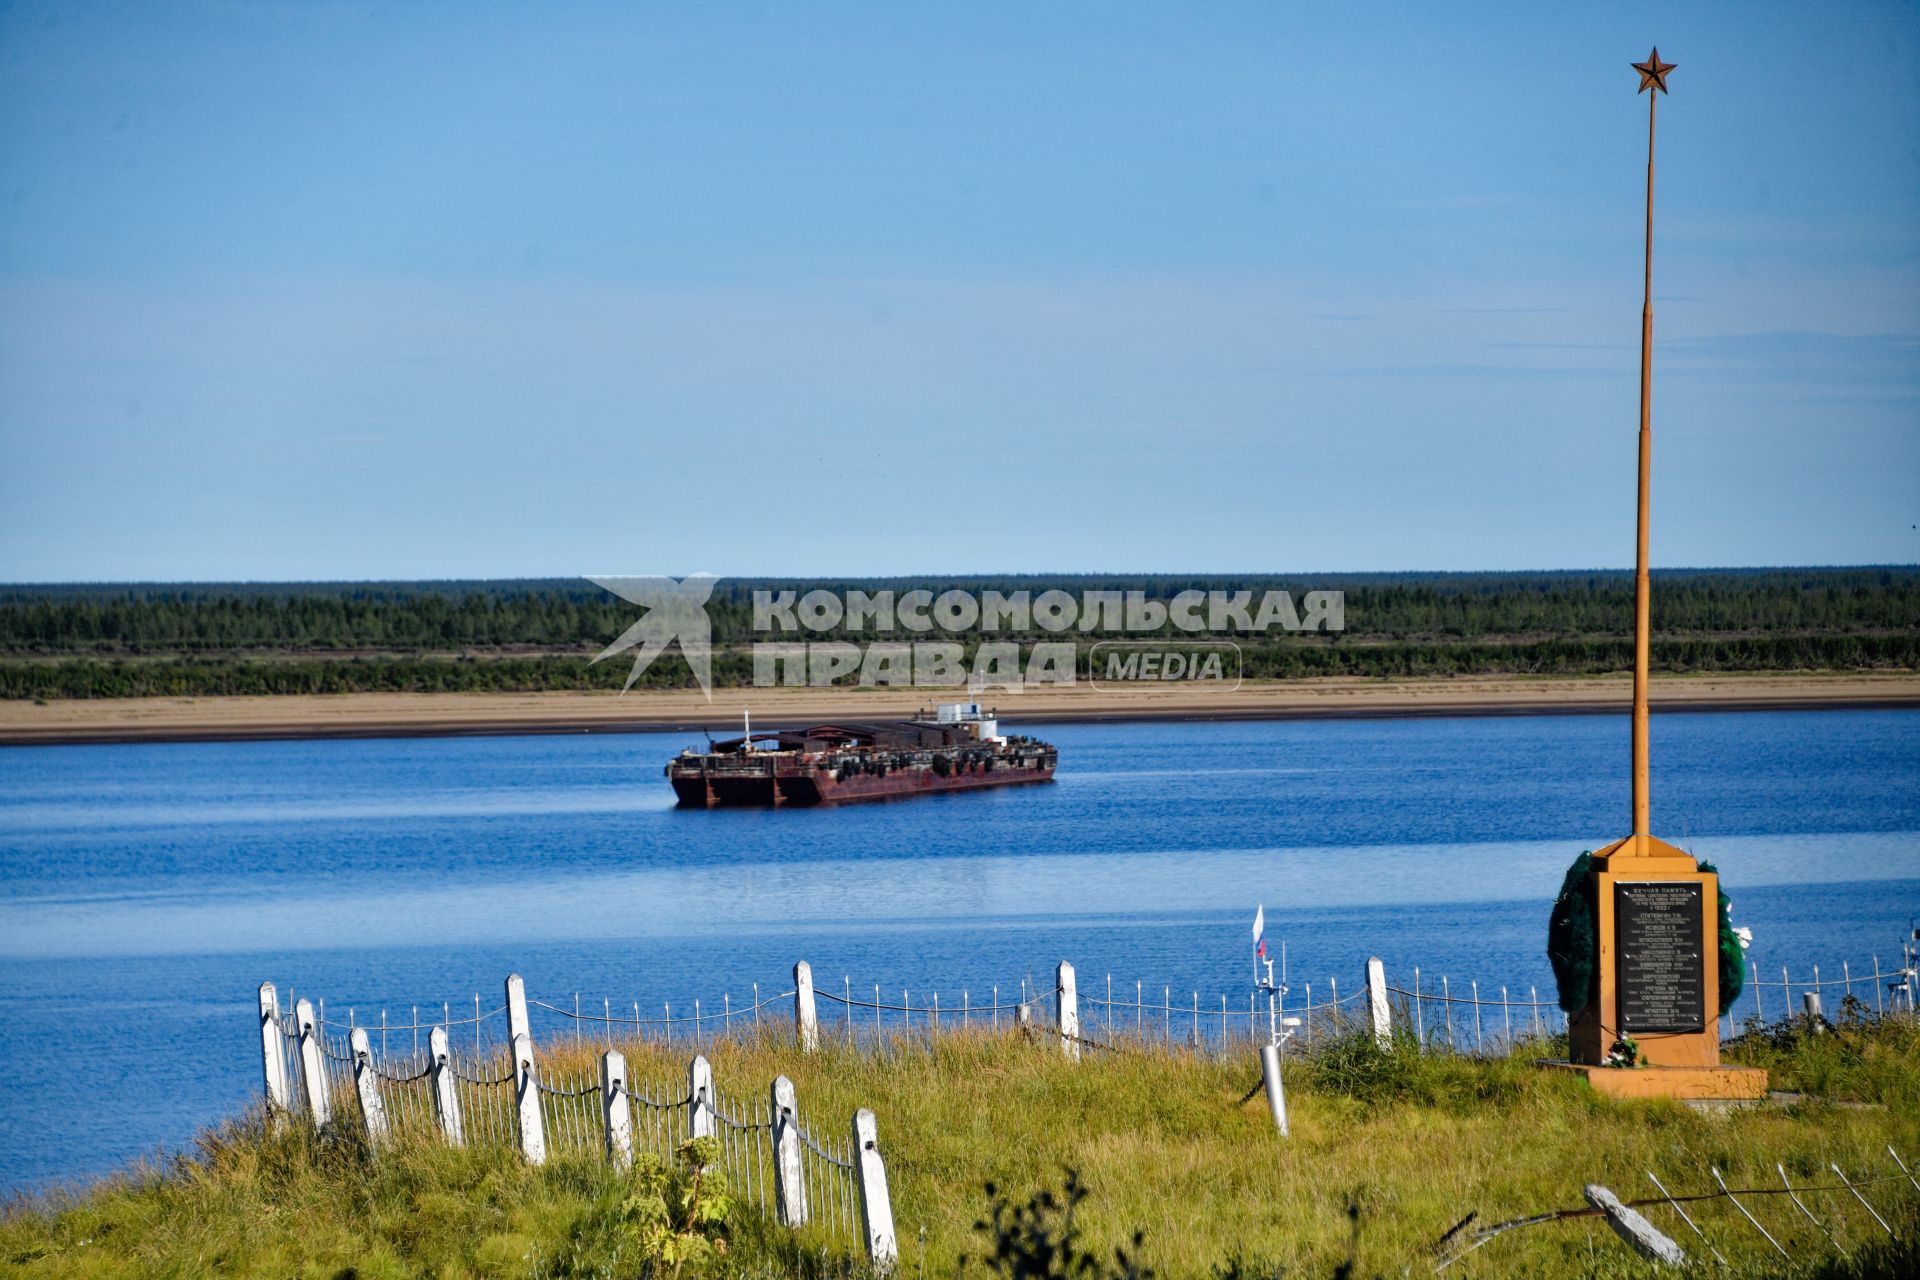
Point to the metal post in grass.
(366, 1086)
(1377, 1011)
(446, 1102)
(313, 1071)
(616, 1111)
(876, 1206)
(1067, 1019)
(526, 1096)
(1270, 1074)
(789, 1184)
(699, 1097)
(806, 1022)
(273, 1058)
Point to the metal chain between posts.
(458, 1074)
(646, 1099)
(808, 1140)
(551, 1092)
(1054, 1033)
(383, 1074)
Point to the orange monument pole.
(1658, 925)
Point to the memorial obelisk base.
(1658, 979)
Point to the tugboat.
(957, 748)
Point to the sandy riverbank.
(397, 714)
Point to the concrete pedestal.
(1658, 979)
(1740, 1083)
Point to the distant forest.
(125, 640)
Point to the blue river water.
(146, 890)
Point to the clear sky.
(297, 290)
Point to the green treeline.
(187, 640)
(122, 677)
(577, 614)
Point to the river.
(147, 889)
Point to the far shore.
(372, 715)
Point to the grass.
(1388, 1150)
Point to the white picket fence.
(1473, 1017)
(773, 1160)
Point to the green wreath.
(1573, 940)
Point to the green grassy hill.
(1389, 1150)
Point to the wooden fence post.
(517, 1024)
(789, 1181)
(1645, 1239)
(876, 1206)
(1067, 998)
(615, 1110)
(699, 1097)
(446, 1100)
(366, 1086)
(313, 1071)
(526, 1093)
(806, 1022)
(273, 1057)
(1377, 1002)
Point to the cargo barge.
(957, 748)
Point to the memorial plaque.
(1659, 927)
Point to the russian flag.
(1260, 931)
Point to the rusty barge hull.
(958, 749)
(809, 785)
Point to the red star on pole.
(1653, 72)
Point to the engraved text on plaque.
(1659, 928)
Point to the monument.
(1656, 914)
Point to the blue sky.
(328, 291)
